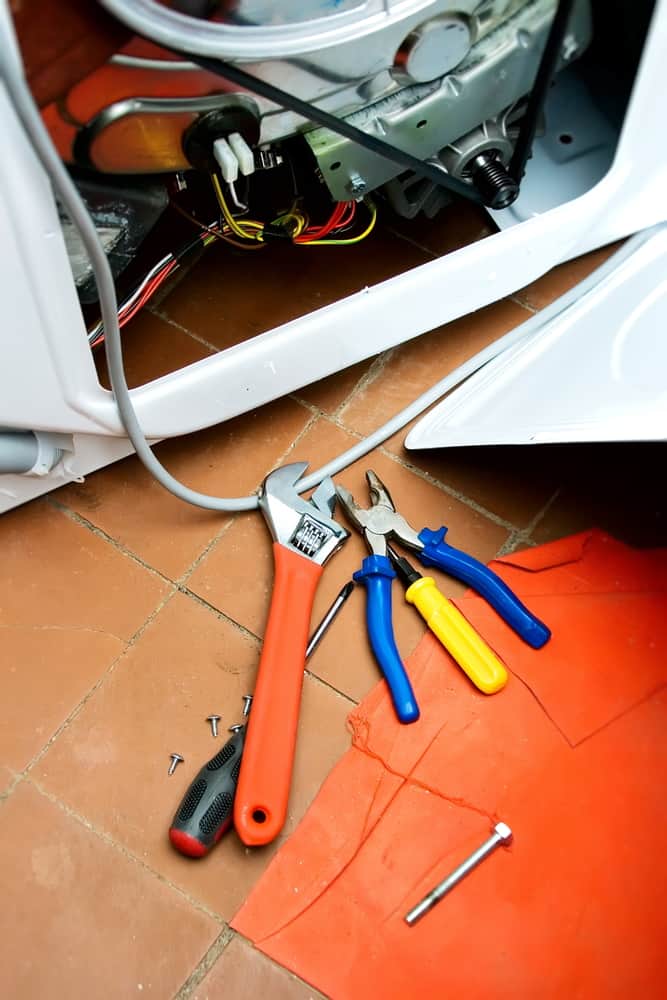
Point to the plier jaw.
(380, 522)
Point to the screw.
(501, 835)
(357, 186)
(175, 761)
(214, 720)
(247, 702)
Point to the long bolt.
(501, 835)
(175, 761)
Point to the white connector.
(226, 160)
(243, 153)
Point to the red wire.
(149, 291)
(317, 232)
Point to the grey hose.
(32, 122)
(18, 452)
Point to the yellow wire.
(353, 239)
(248, 229)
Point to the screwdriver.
(206, 811)
(446, 622)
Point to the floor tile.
(342, 660)
(81, 920)
(228, 460)
(329, 393)
(540, 293)
(56, 572)
(418, 364)
(242, 972)
(110, 765)
(236, 576)
(225, 299)
(45, 673)
(454, 227)
(152, 347)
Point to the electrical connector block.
(243, 153)
(226, 160)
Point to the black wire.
(540, 89)
(282, 98)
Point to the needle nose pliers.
(381, 523)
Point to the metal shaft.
(501, 835)
(338, 603)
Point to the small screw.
(214, 720)
(357, 186)
(247, 702)
(175, 761)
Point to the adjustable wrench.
(305, 536)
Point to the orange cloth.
(572, 754)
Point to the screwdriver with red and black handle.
(206, 811)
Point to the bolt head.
(176, 756)
(211, 718)
(503, 831)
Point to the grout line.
(511, 543)
(126, 852)
(213, 543)
(522, 536)
(16, 780)
(315, 415)
(255, 639)
(528, 531)
(206, 963)
(78, 708)
(518, 301)
(83, 522)
(374, 371)
(177, 326)
(208, 548)
(220, 615)
(313, 993)
(450, 491)
(414, 243)
(337, 691)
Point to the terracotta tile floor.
(128, 617)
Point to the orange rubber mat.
(571, 754)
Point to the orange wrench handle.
(260, 806)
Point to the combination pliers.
(381, 523)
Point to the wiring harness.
(294, 224)
(246, 234)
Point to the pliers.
(381, 523)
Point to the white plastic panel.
(598, 372)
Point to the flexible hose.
(63, 184)
(18, 452)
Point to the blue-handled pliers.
(381, 523)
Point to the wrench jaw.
(305, 526)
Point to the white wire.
(32, 122)
(98, 329)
